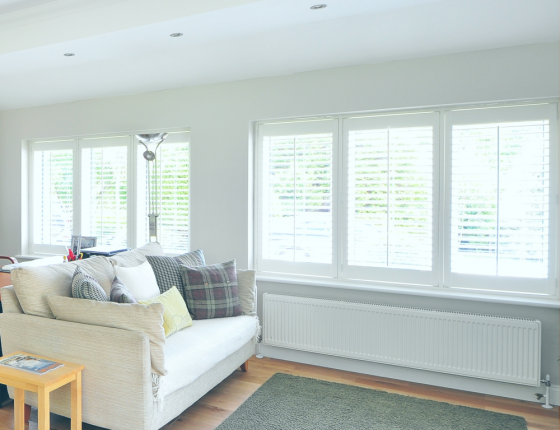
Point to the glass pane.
(390, 198)
(53, 197)
(173, 185)
(104, 194)
(500, 199)
(297, 207)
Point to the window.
(297, 189)
(391, 188)
(472, 208)
(501, 212)
(106, 173)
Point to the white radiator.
(480, 346)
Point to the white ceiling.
(123, 47)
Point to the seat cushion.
(195, 350)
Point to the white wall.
(220, 117)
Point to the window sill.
(414, 290)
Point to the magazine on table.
(39, 366)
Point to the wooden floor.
(219, 403)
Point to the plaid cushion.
(86, 287)
(168, 271)
(212, 291)
(119, 292)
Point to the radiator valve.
(546, 382)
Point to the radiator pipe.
(546, 382)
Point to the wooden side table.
(42, 385)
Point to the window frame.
(77, 144)
(441, 169)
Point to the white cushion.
(139, 280)
(136, 256)
(33, 284)
(195, 350)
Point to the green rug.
(288, 402)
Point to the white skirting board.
(512, 391)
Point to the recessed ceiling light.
(176, 34)
(318, 6)
(69, 54)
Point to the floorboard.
(218, 404)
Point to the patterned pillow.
(212, 291)
(119, 292)
(86, 287)
(168, 271)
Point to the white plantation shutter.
(296, 190)
(502, 206)
(173, 167)
(391, 194)
(53, 194)
(104, 198)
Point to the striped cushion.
(168, 271)
(212, 291)
(86, 287)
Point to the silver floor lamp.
(153, 177)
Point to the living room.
(240, 71)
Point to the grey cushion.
(168, 272)
(86, 287)
(119, 292)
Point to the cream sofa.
(118, 385)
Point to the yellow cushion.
(176, 316)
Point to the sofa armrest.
(10, 302)
(117, 383)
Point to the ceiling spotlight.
(176, 34)
(69, 54)
(318, 6)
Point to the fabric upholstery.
(139, 280)
(212, 291)
(119, 292)
(194, 351)
(86, 287)
(34, 284)
(10, 302)
(175, 315)
(134, 317)
(181, 399)
(136, 256)
(117, 380)
(168, 271)
(247, 284)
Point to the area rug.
(287, 402)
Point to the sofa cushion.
(86, 287)
(168, 270)
(211, 291)
(176, 315)
(133, 317)
(119, 292)
(139, 280)
(247, 285)
(136, 256)
(190, 353)
(33, 284)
